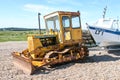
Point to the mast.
(104, 12)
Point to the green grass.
(15, 35)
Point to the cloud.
(45, 9)
(68, 2)
(52, 1)
(56, 1)
(37, 8)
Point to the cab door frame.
(66, 30)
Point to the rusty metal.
(22, 62)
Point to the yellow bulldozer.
(61, 43)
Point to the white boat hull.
(105, 37)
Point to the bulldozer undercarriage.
(52, 57)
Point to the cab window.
(53, 23)
(75, 22)
(66, 21)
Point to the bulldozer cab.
(66, 25)
(61, 28)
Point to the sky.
(23, 13)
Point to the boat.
(105, 31)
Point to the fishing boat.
(105, 31)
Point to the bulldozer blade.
(24, 64)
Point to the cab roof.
(61, 13)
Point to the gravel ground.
(99, 66)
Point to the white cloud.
(67, 2)
(52, 1)
(38, 8)
(45, 9)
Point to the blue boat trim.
(105, 30)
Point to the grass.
(15, 35)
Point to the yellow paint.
(33, 43)
(76, 34)
(38, 63)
